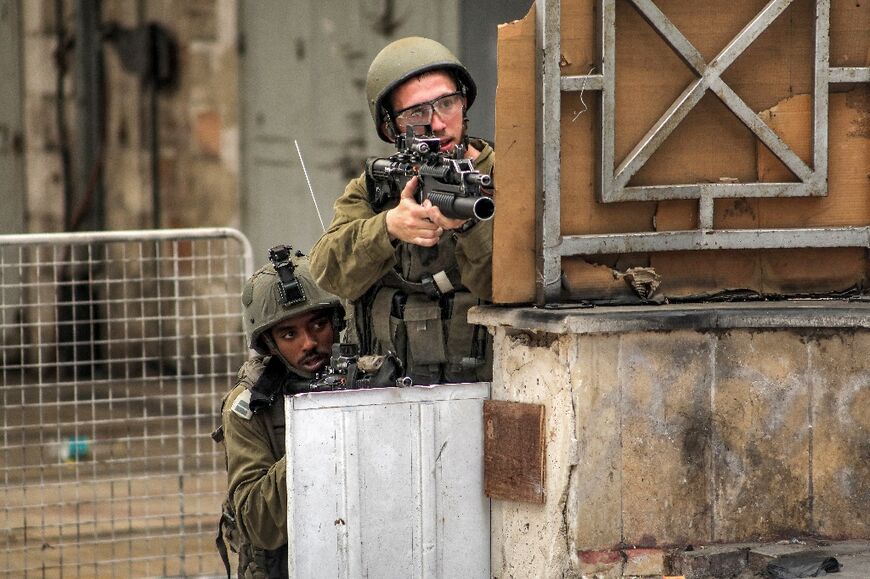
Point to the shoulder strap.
(222, 546)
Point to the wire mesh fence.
(117, 349)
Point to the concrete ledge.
(751, 559)
(707, 316)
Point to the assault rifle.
(348, 370)
(448, 180)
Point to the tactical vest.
(419, 311)
(263, 379)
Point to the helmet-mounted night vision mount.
(289, 288)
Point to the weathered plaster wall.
(198, 120)
(662, 434)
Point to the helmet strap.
(338, 324)
(389, 125)
(269, 341)
(276, 353)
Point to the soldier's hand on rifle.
(438, 218)
(410, 222)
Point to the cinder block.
(706, 562)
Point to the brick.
(208, 132)
(605, 561)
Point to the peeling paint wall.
(678, 437)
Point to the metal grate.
(614, 179)
(117, 348)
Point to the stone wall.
(674, 426)
(198, 119)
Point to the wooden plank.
(514, 451)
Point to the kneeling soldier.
(292, 324)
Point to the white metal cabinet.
(387, 483)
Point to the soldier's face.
(305, 341)
(426, 88)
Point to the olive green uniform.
(356, 260)
(254, 515)
(252, 416)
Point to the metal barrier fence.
(117, 348)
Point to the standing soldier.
(411, 273)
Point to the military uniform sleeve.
(257, 479)
(474, 257)
(355, 251)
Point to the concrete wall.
(684, 425)
(11, 138)
(253, 77)
(197, 129)
(478, 32)
(303, 72)
(197, 159)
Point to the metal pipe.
(60, 56)
(89, 210)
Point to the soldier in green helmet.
(410, 272)
(292, 324)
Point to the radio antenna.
(310, 189)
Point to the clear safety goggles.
(446, 106)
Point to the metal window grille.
(117, 349)
(614, 179)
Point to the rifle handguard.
(449, 181)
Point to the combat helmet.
(403, 59)
(270, 297)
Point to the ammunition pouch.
(387, 323)
(253, 563)
(431, 336)
(261, 564)
(468, 356)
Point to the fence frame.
(61, 499)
